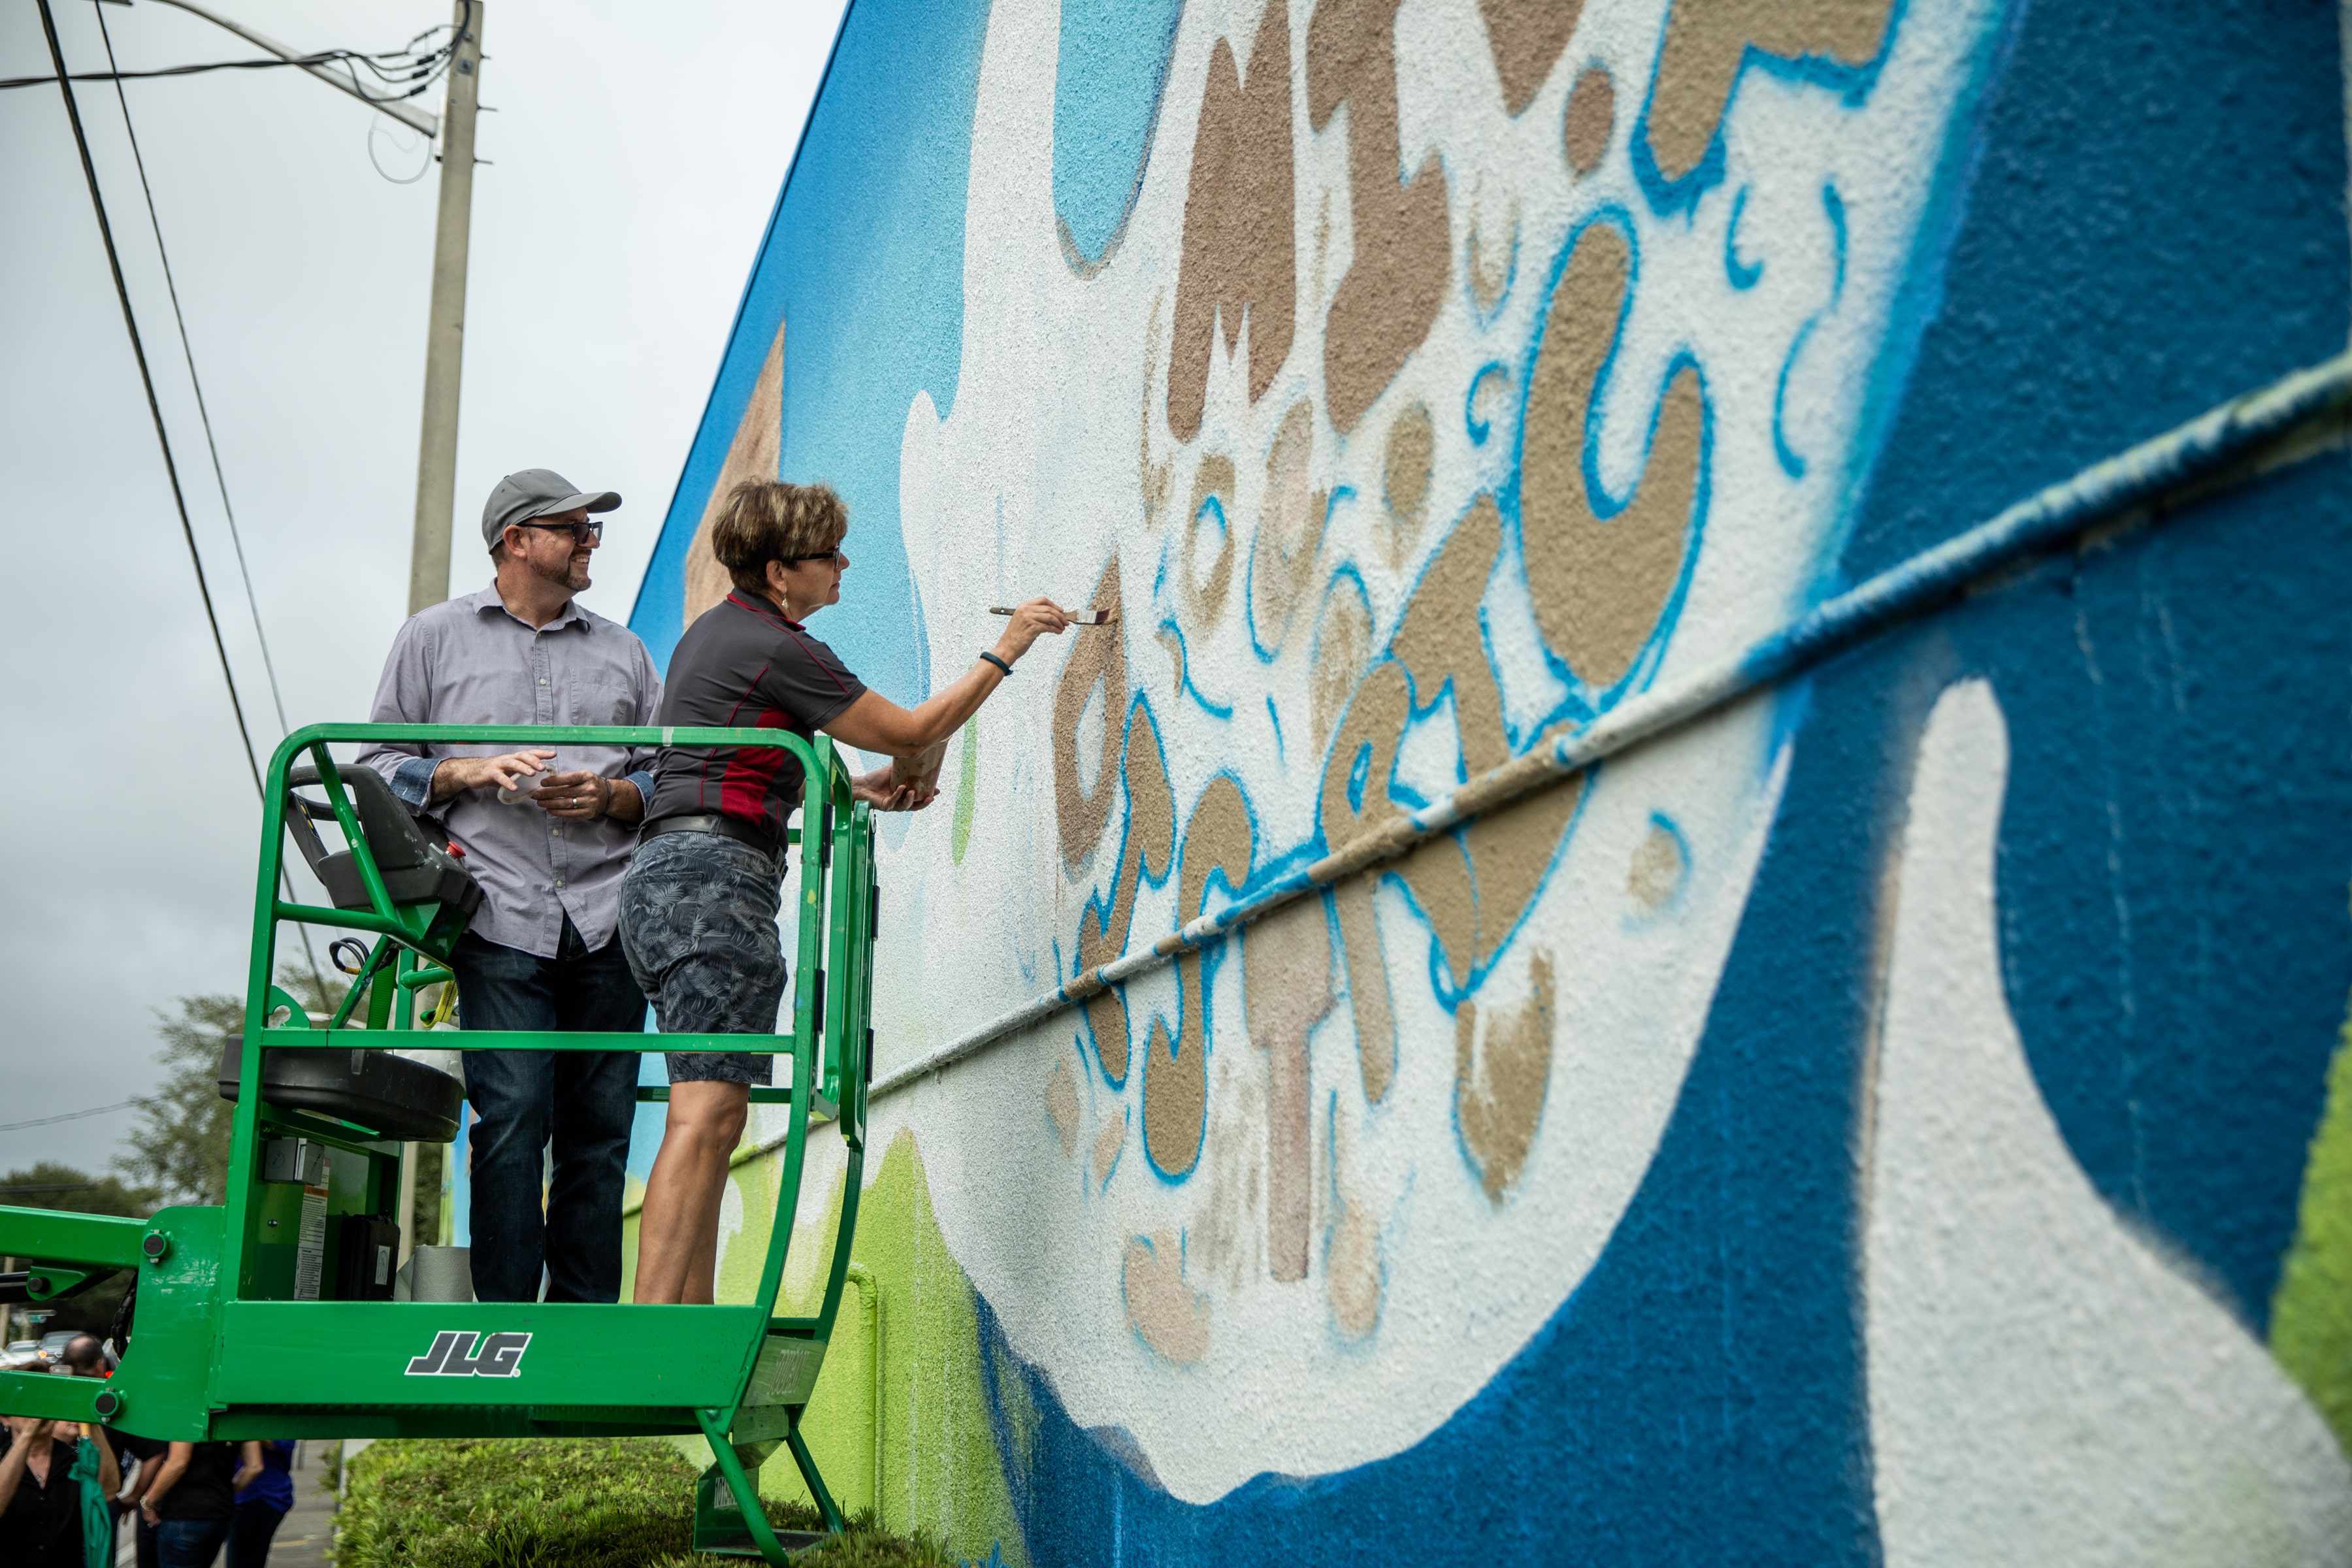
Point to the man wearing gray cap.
(541, 953)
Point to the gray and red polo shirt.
(742, 665)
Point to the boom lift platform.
(271, 1316)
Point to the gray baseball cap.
(536, 492)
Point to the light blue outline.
(1645, 664)
(1852, 84)
(1479, 430)
(1186, 689)
(1792, 461)
(1068, 133)
(1742, 275)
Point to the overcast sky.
(631, 165)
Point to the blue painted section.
(2154, 223)
(1108, 79)
(2164, 262)
(863, 264)
(2173, 864)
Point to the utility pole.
(444, 332)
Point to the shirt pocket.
(602, 700)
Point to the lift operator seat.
(396, 1097)
(416, 866)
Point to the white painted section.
(2044, 1386)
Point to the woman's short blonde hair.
(768, 520)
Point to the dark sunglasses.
(581, 533)
(833, 554)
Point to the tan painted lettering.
(1404, 249)
(1238, 257)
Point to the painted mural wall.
(1888, 1119)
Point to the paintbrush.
(1083, 618)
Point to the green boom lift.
(271, 1317)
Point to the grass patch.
(545, 1503)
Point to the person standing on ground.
(42, 1521)
(193, 1500)
(147, 1456)
(698, 905)
(540, 955)
(99, 1474)
(261, 1505)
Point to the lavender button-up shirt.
(472, 661)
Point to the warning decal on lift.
(499, 1355)
(310, 1248)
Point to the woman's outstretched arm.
(874, 723)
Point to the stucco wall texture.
(1885, 1120)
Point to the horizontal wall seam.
(2141, 476)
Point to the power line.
(204, 412)
(188, 353)
(414, 70)
(325, 58)
(147, 380)
(71, 1115)
(154, 408)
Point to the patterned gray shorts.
(698, 926)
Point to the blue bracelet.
(998, 662)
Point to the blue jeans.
(190, 1543)
(251, 1531)
(581, 1100)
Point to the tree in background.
(180, 1145)
(52, 1185)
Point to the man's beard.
(563, 574)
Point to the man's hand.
(457, 775)
(585, 796)
(877, 790)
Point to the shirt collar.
(488, 599)
(763, 608)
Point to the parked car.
(53, 1344)
(20, 1353)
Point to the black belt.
(725, 826)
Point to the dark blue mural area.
(2175, 856)
(2138, 240)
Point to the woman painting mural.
(698, 905)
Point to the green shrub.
(543, 1502)
(860, 1546)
